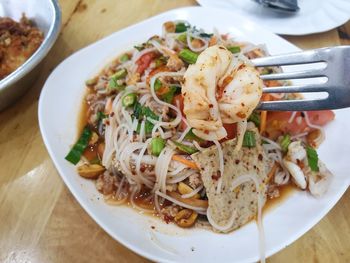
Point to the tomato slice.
(231, 130)
(278, 122)
(144, 61)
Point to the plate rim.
(283, 32)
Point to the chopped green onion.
(188, 56)
(285, 142)
(182, 38)
(121, 73)
(113, 81)
(124, 58)
(181, 27)
(129, 100)
(255, 117)
(235, 49)
(157, 145)
(312, 158)
(191, 136)
(185, 148)
(157, 84)
(249, 139)
(113, 84)
(77, 150)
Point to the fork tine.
(305, 57)
(296, 89)
(295, 105)
(295, 75)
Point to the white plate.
(59, 106)
(314, 16)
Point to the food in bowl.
(170, 127)
(18, 42)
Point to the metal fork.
(337, 72)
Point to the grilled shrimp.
(219, 88)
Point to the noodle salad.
(170, 128)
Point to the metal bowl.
(47, 16)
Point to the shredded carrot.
(189, 163)
(272, 172)
(108, 107)
(263, 114)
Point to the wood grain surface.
(40, 221)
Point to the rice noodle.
(161, 168)
(225, 227)
(165, 196)
(162, 49)
(190, 35)
(299, 135)
(187, 130)
(321, 137)
(139, 54)
(271, 142)
(198, 147)
(194, 192)
(221, 165)
(180, 178)
(177, 120)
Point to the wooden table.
(40, 221)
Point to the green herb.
(255, 117)
(169, 96)
(191, 136)
(185, 148)
(146, 111)
(312, 158)
(188, 56)
(249, 139)
(140, 47)
(182, 38)
(77, 150)
(129, 99)
(140, 112)
(137, 110)
(121, 73)
(234, 49)
(101, 115)
(157, 145)
(157, 85)
(205, 35)
(285, 142)
(181, 27)
(124, 58)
